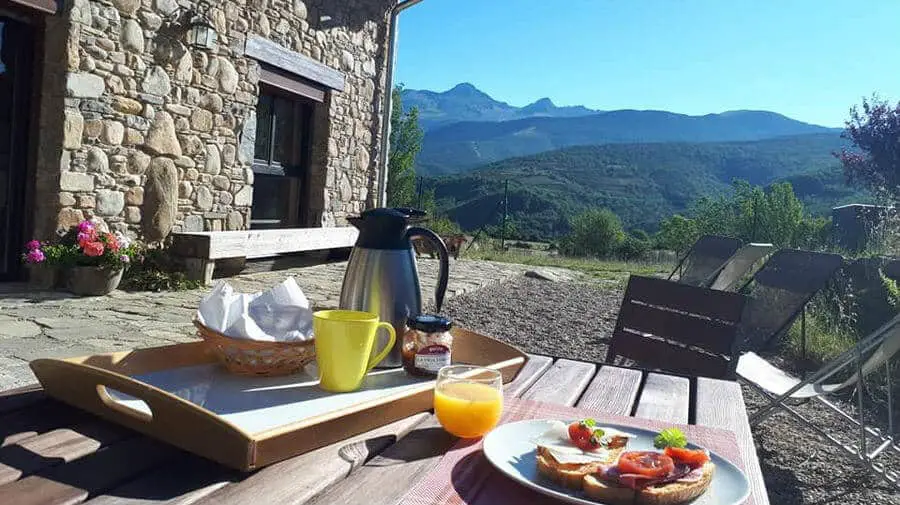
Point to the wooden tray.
(182, 395)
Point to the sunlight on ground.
(608, 270)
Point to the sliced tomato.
(579, 434)
(693, 457)
(584, 435)
(646, 463)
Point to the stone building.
(108, 111)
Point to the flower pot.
(41, 277)
(93, 281)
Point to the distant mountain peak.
(465, 102)
(465, 88)
(543, 104)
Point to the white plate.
(510, 450)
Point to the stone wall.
(157, 137)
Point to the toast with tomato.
(566, 454)
(673, 477)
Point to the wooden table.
(53, 454)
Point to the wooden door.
(15, 88)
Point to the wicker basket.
(251, 357)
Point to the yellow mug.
(344, 341)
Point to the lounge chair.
(704, 260)
(779, 291)
(870, 354)
(677, 328)
(739, 266)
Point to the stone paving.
(36, 325)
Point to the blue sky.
(807, 59)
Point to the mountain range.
(466, 128)
(643, 165)
(465, 102)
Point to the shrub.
(832, 322)
(825, 338)
(156, 270)
(633, 248)
(640, 235)
(813, 233)
(891, 290)
(595, 232)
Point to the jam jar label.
(432, 358)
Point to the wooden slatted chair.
(705, 259)
(677, 328)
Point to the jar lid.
(429, 323)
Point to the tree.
(782, 214)
(875, 133)
(595, 232)
(406, 142)
(750, 213)
(772, 215)
(677, 233)
(715, 216)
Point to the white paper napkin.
(281, 314)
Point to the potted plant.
(41, 269)
(93, 261)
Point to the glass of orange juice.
(468, 399)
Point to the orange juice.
(467, 409)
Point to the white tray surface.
(257, 404)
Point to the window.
(281, 159)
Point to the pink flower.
(87, 236)
(32, 245)
(86, 226)
(124, 258)
(35, 256)
(93, 249)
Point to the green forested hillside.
(642, 183)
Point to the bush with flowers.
(83, 245)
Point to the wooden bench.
(200, 250)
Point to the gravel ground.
(799, 468)
(557, 319)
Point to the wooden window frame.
(301, 132)
(296, 169)
(277, 78)
(44, 6)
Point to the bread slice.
(608, 493)
(570, 475)
(672, 493)
(676, 492)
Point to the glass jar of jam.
(427, 345)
